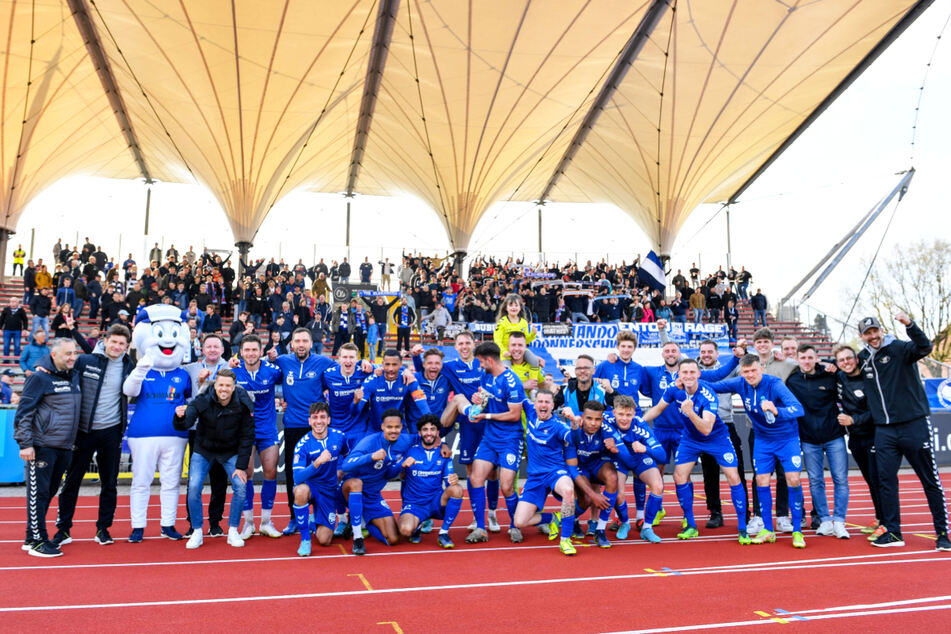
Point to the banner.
(939, 394)
(378, 293)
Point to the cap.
(868, 322)
(124, 312)
(9, 372)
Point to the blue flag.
(651, 272)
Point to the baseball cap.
(868, 322)
(9, 372)
(124, 312)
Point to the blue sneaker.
(340, 530)
(171, 533)
(426, 527)
(623, 530)
(445, 542)
(416, 537)
(577, 532)
(648, 535)
(304, 550)
(136, 536)
(291, 528)
(601, 539)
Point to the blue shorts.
(787, 450)
(591, 470)
(668, 439)
(324, 507)
(425, 510)
(505, 454)
(262, 442)
(636, 462)
(537, 487)
(374, 506)
(720, 448)
(470, 436)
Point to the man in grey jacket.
(45, 427)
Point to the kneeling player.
(703, 432)
(641, 454)
(552, 466)
(315, 471)
(595, 443)
(425, 472)
(375, 459)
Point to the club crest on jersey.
(290, 379)
(615, 382)
(176, 379)
(797, 461)
(885, 359)
(378, 465)
(648, 460)
(729, 457)
(510, 458)
(311, 374)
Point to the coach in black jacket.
(224, 434)
(45, 428)
(900, 410)
(103, 416)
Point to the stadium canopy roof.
(655, 106)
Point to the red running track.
(708, 583)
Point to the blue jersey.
(379, 395)
(155, 405)
(340, 391)
(303, 385)
(375, 473)
(425, 479)
(657, 379)
(464, 378)
(309, 449)
(590, 447)
(549, 444)
(261, 386)
(625, 378)
(503, 390)
(437, 392)
(704, 400)
(770, 388)
(639, 431)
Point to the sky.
(788, 219)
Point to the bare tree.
(915, 278)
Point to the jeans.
(381, 333)
(197, 470)
(839, 467)
(78, 307)
(698, 315)
(40, 323)
(741, 290)
(11, 337)
(759, 317)
(681, 318)
(255, 318)
(579, 317)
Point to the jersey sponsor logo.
(311, 374)
(729, 457)
(797, 461)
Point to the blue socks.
(375, 532)
(340, 504)
(302, 517)
(640, 493)
(476, 499)
(249, 495)
(492, 493)
(766, 506)
(621, 508)
(653, 506)
(268, 493)
(355, 502)
(605, 514)
(685, 495)
(738, 493)
(510, 503)
(452, 510)
(795, 507)
(567, 526)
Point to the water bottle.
(769, 416)
(475, 410)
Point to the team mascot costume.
(159, 384)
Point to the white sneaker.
(755, 525)
(269, 530)
(838, 528)
(825, 528)
(234, 539)
(493, 523)
(248, 530)
(783, 525)
(194, 541)
(471, 527)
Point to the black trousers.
(863, 451)
(219, 480)
(292, 436)
(913, 441)
(402, 338)
(359, 340)
(341, 337)
(782, 489)
(106, 444)
(43, 475)
(711, 473)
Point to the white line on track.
(764, 566)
